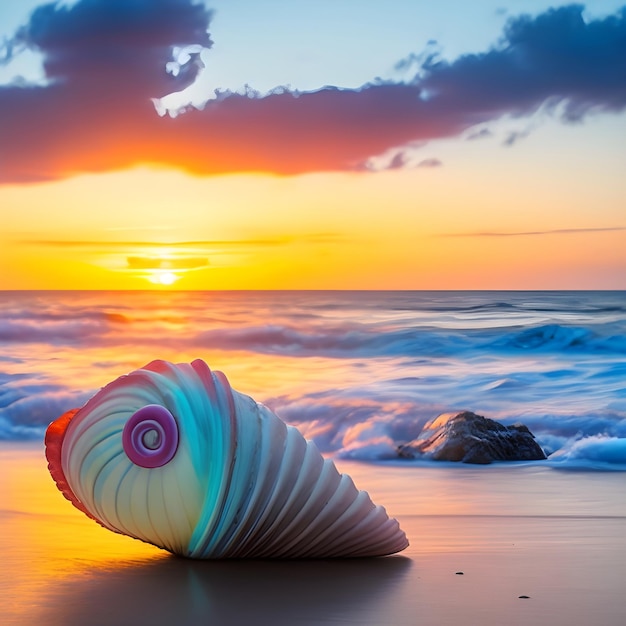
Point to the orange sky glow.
(433, 183)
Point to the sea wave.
(360, 373)
(560, 338)
(594, 452)
(343, 325)
(360, 424)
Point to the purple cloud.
(106, 59)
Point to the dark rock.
(472, 438)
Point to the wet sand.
(59, 568)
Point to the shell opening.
(152, 439)
(150, 436)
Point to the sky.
(327, 144)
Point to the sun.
(161, 265)
(163, 277)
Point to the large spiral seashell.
(171, 455)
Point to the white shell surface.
(241, 484)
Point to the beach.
(480, 538)
(244, 245)
(358, 373)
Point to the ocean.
(360, 373)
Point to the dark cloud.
(106, 59)
(553, 58)
(103, 43)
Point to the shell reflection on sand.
(171, 455)
(282, 593)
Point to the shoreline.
(533, 570)
(558, 538)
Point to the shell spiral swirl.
(171, 455)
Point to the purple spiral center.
(150, 436)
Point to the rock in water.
(472, 438)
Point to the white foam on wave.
(594, 449)
(359, 373)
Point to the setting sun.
(163, 277)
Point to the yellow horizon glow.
(148, 228)
(428, 261)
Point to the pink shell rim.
(150, 417)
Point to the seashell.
(171, 455)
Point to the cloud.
(399, 161)
(430, 163)
(105, 60)
(154, 263)
(513, 137)
(174, 255)
(100, 246)
(534, 233)
(483, 133)
(102, 43)
(554, 58)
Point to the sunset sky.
(313, 144)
